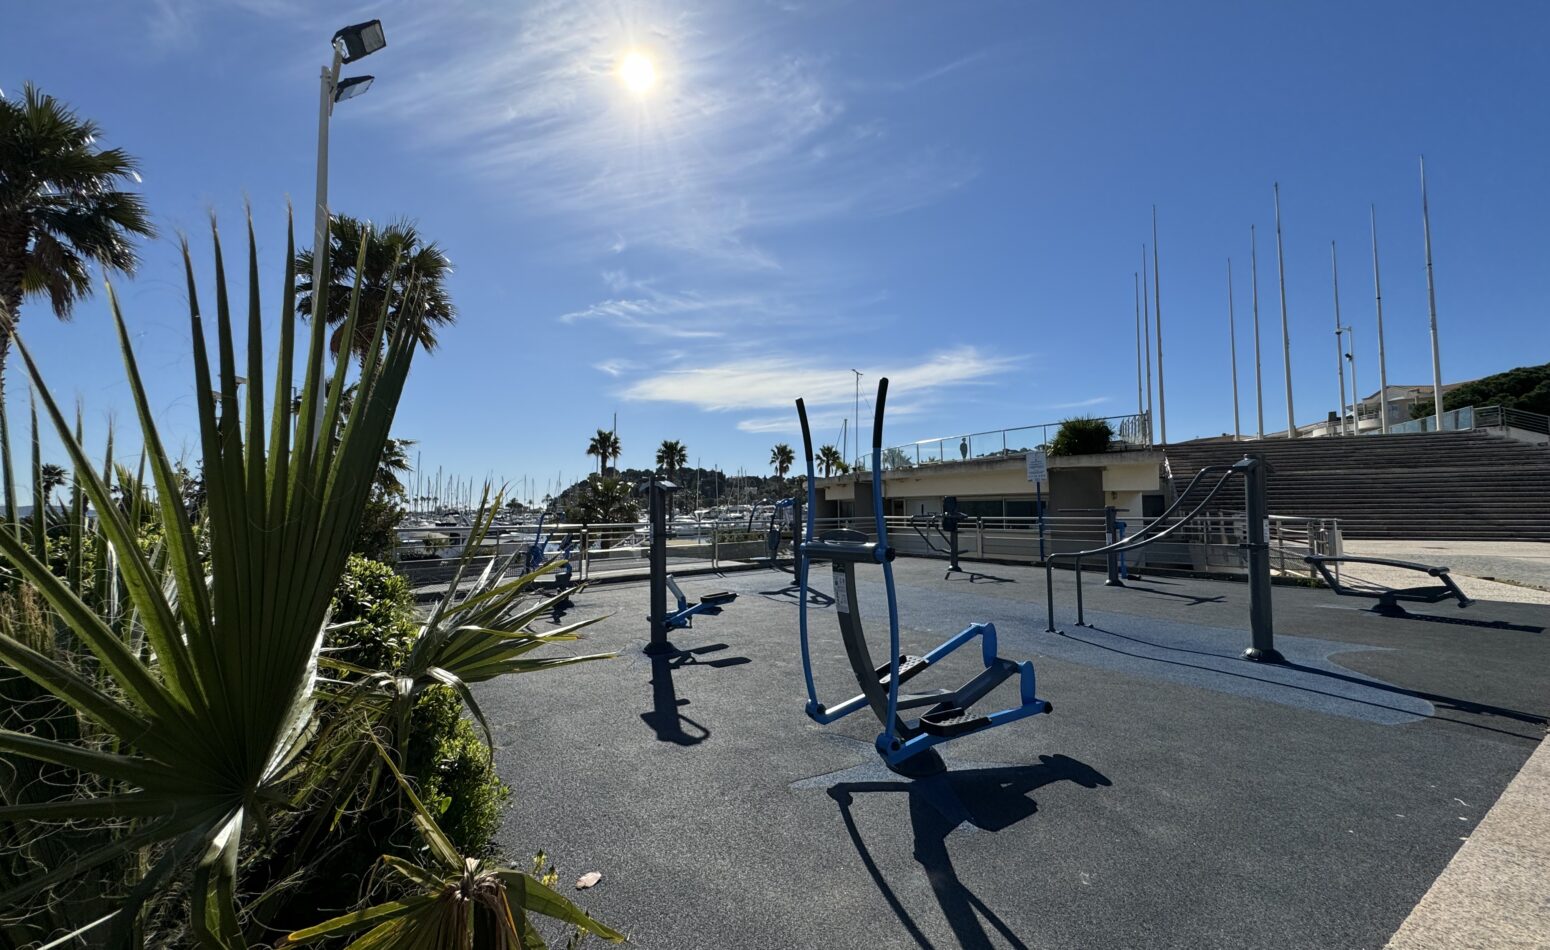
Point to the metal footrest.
(718, 598)
(952, 721)
(908, 666)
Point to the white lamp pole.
(349, 44)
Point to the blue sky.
(951, 194)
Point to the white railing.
(1131, 430)
(427, 554)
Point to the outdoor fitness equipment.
(538, 556)
(1252, 469)
(1388, 600)
(948, 713)
(945, 526)
(658, 491)
(782, 517)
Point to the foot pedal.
(908, 666)
(952, 721)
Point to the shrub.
(1083, 435)
(379, 602)
(455, 771)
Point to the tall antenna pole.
(1162, 397)
(1286, 336)
(1140, 399)
(1259, 376)
(1431, 304)
(1377, 293)
(1146, 323)
(1232, 337)
(1334, 270)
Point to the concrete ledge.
(1495, 893)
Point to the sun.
(637, 73)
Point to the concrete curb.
(1495, 893)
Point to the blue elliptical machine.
(905, 743)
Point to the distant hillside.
(1526, 388)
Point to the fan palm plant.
(832, 461)
(384, 261)
(61, 210)
(460, 902)
(781, 458)
(604, 445)
(671, 455)
(206, 722)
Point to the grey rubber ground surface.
(1175, 798)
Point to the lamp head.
(361, 40)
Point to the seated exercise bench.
(1388, 600)
(683, 616)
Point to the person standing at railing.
(963, 449)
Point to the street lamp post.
(349, 44)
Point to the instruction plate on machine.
(841, 593)
(1038, 466)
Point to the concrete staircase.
(1467, 485)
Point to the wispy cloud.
(1079, 404)
(775, 383)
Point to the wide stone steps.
(1451, 485)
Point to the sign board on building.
(1038, 466)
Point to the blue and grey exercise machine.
(905, 743)
(1388, 598)
(945, 526)
(1252, 469)
(784, 516)
(658, 491)
(539, 554)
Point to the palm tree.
(603, 500)
(51, 476)
(781, 457)
(831, 460)
(420, 260)
(604, 445)
(60, 209)
(672, 456)
(394, 462)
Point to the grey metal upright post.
(1110, 536)
(1261, 623)
(656, 498)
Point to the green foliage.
(455, 771)
(1082, 435)
(604, 499)
(378, 602)
(830, 461)
(61, 211)
(605, 446)
(381, 264)
(781, 458)
(1526, 388)
(671, 455)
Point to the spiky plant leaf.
(207, 718)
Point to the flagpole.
(1259, 380)
(1146, 323)
(1232, 336)
(1431, 304)
(1377, 293)
(1140, 400)
(1286, 335)
(1334, 270)
(1162, 397)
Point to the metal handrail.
(1129, 429)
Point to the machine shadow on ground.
(1442, 702)
(666, 717)
(989, 799)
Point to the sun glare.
(637, 73)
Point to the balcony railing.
(1129, 431)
